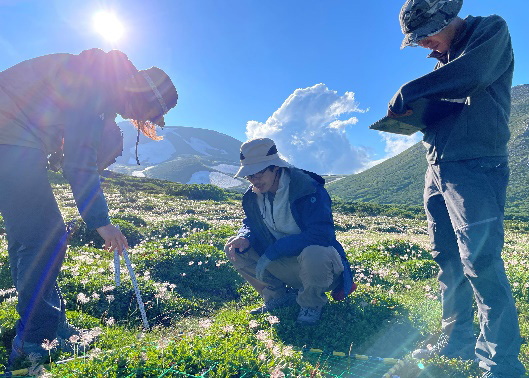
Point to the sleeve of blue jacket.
(314, 216)
(81, 139)
(488, 54)
(246, 232)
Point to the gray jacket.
(57, 97)
(478, 70)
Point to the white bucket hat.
(257, 154)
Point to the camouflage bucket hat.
(422, 18)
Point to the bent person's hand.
(113, 238)
(239, 243)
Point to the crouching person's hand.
(260, 268)
(113, 238)
(237, 245)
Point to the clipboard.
(425, 113)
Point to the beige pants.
(316, 270)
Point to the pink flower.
(261, 335)
(49, 345)
(277, 373)
(205, 323)
(253, 323)
(272, 319)
(82, 298)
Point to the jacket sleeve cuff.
(95, 222)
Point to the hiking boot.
(21, 350)
(445, 348)
(284, 301)
(309, 315)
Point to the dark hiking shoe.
(25, 350)
(309, 315)
(286, 300)
(445, 348)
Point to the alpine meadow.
(197, 304)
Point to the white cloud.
(395, 143)
(309, 133)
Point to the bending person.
(49, 105)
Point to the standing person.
(287, 248)
(50, 105)
(467, 177)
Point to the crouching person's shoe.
(447, 349)
(309, 315)
(284, 301)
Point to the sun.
(109, 26)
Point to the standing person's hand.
(395, 115)
(239, 243)
(113, 238)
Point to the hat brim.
(412, 39)
(251, 169)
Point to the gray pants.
(464, 203)
(36, 237)
(315, 271)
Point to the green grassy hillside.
(400, 180)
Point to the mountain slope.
(186, 154)
(400, 180)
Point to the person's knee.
(317, 265)
(313, 254)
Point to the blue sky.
(237, 61)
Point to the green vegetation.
(400, 180)
(197, 305)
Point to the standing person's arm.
(487, 56)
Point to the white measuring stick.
(116, 267)
(136, 289)
(133, 279)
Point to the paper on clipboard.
(425, 113)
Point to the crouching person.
(287, 248)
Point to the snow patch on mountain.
(142, 172)
(226, 168)
(201, 146)
(152, 152)
(215, 178)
